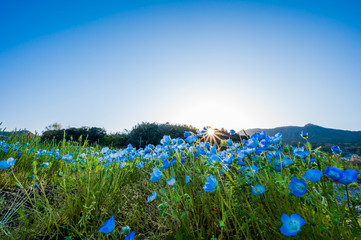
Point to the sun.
(211, 136)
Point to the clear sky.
(231, 64)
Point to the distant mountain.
(349, 141)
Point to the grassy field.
(179, 189)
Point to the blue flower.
(336, 149)
(298, 187)
(171, 181)
(140, 165)
(130, 236)
(187, 180)
(283, 162)
(211, 184)
(349, 176)
(108, 226)
(166, 164)
(232, 132)
(44, 165)
(152, 197)
(187, 134)
(156, 175)
(191, 139)
(304, 134)
(313, 175)
(166, 140)
(126, 230)
(291, 225)
(276, 139)
(5, 164)
(258, 189)
(333, 173)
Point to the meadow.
(180, 189)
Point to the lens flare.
(210, 131)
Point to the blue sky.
(231, 64)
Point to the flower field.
(180, 189)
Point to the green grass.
(71, 200)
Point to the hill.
(349, 141)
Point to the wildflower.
(140, 165)
(166, 140)
(171, 181)
(166, 164)
(108, 226)
(187, 180)
(44, 165)
(191, 139)
(211, 184)
(298, 187)
(336, 149)
(126, 230)
(304, 135)
(313, 175)
(333, 173)
(349, 176)
(152, 197)
(283, 162)
(130, 236)
(276, 139)
(187, 134)
(5, 164)
(291, 225)
(258, 189)
(232, 132)
(156, 175)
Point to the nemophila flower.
(304, 134)
(336, 149)
(258, 189)
(283, 162)
(298, 187)
(333, 172)
(156, 175)
(313, 175)
(232, 132)
(44, 165)
(187, 180)
(211, 184)
(130, 236)
(166, 140)
(276, 139)
(225, 168)
(108, 226)
(191, 139)
(349, 176)
(5, 164)
(152, 197)
(166, 164)
(126, 230)
(252, 143)
(187, 134)
(241, 163)
(291, 225)
(171, 181)
(140, 165)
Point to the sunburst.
(212, 135)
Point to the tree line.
(141, 134)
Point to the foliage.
(69, 190)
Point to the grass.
(72, 198)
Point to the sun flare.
(210, 131)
